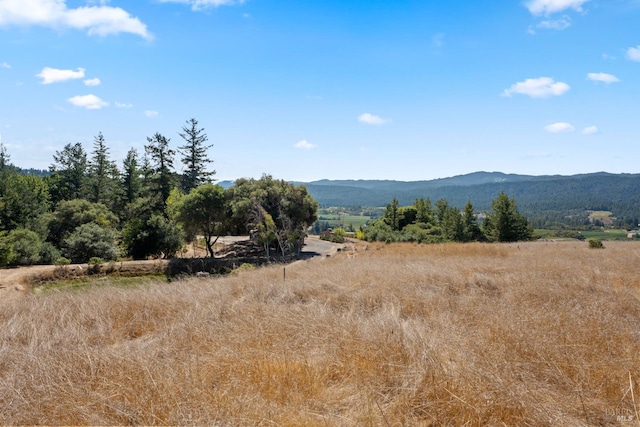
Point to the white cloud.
(304, 145)
(372, 119)
(548, 7)
(54, 75)
(558, 24)
(96, 20)
(559, 127)
(591, 130)
(542, 87)
(123, 105)
(92, 82)
(603, 77)
(5, 65)
(205, 4)
(151, 113)
(633, 53)
(90, 102)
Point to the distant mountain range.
(560, 194)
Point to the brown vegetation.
(474, 334)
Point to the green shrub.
(90, 240)
(332, 238)
(595, 244)
(94, 264)
(244, 267)
(7, 256)
(49, 253)
(339, 232)
(154, 236)
(62, 261)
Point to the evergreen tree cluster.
(425, 222)
(87, 207)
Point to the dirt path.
(14, 281)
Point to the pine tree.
(68, 179)
(391, 216)
(131, 183)
(505, 223)
(194, 158)
(452, 224)
(424, 214)
(103, 174)
(161, 163)
(4, 157)
(471, 229)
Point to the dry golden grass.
(527, 334)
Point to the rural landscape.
(319, 213)
(425, 314)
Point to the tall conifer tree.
(194, 156)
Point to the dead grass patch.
(474, 334)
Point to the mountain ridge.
(545, 199)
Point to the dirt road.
(13, 281)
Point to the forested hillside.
(545, 200)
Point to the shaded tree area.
(203, 211)
(87, 207)
(424, 222)
(276, 212)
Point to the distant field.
(344, 220)
(600, 215)
(536, 333)
(606, 235)
(602, 235)
(605, 217)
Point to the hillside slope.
(619, 193)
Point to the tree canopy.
(86, 207)
(423, 222)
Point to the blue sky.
(305, 90)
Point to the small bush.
(332, 236)
(339, 232)
(244, 267)
(595, 244)
(94, 264)
(62, 261)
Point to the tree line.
(425, 222)
(561, 202)
(88, 207)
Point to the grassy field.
(539, 333)
(606, 235)
(345, 220)
(612, 234)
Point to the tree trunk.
(210, 245)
